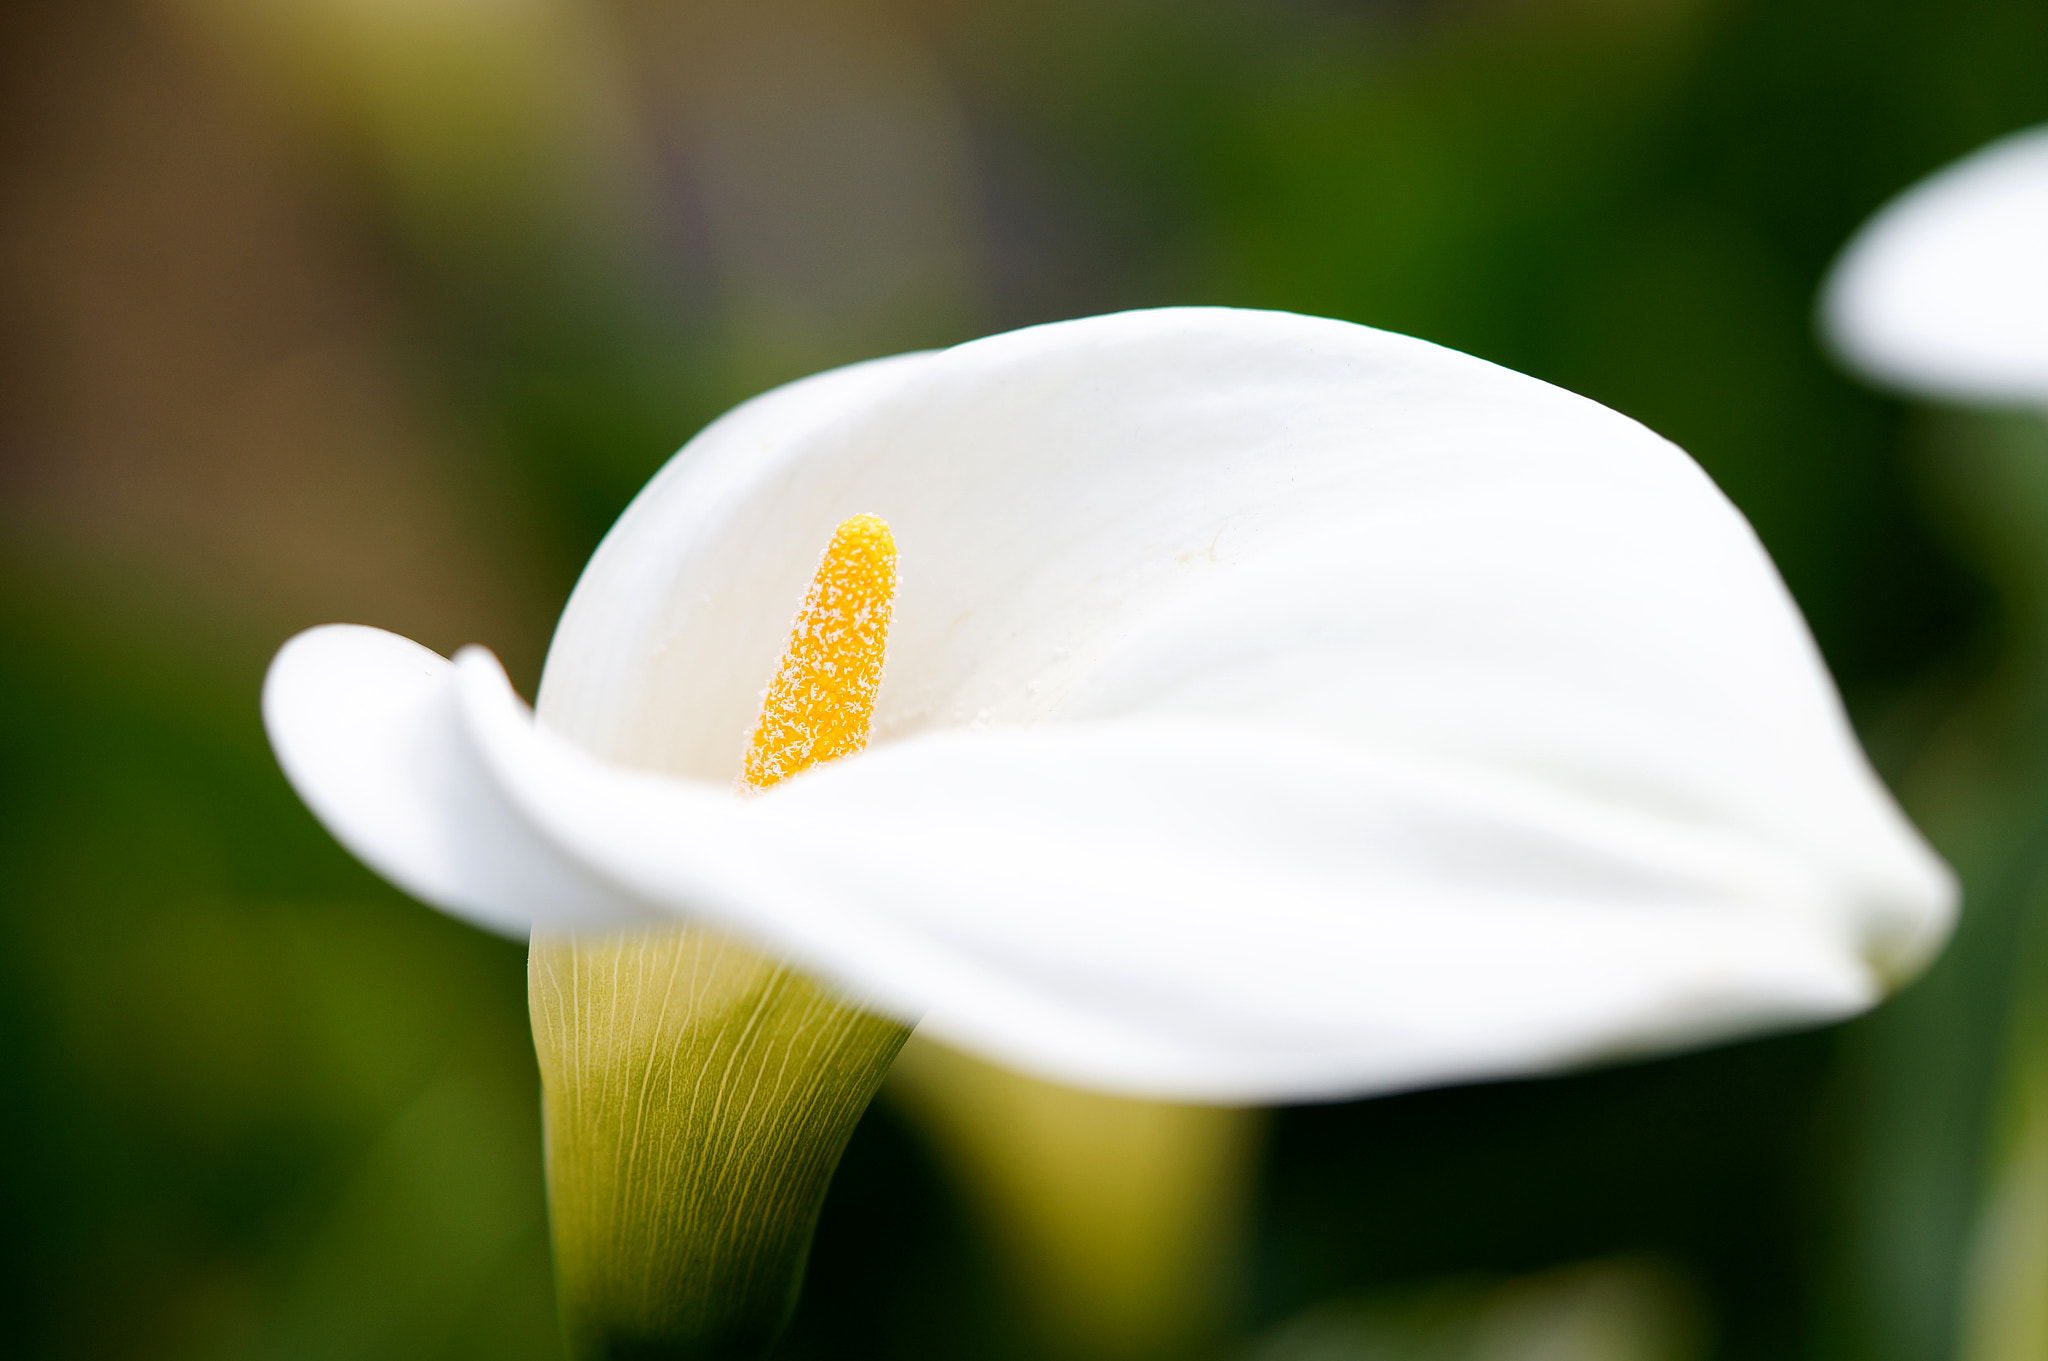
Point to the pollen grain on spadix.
(822, 699)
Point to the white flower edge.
(1944, 292)
(1357, 716)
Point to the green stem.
(1119, 1222)
(697, 1098)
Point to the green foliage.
(260, 1105)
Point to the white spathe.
(1275, 709)
(1945, 291)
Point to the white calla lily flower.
(1276, 709)
(1945, 291)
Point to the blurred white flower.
(1945, 291)
(1275, 709)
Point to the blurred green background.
(380, 310)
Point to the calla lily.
(1945, 291)
(1275, 709)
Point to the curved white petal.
(1275, 708)
(365, 725)
(1945, 290)
(1214, 910)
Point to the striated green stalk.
(697, 1098)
